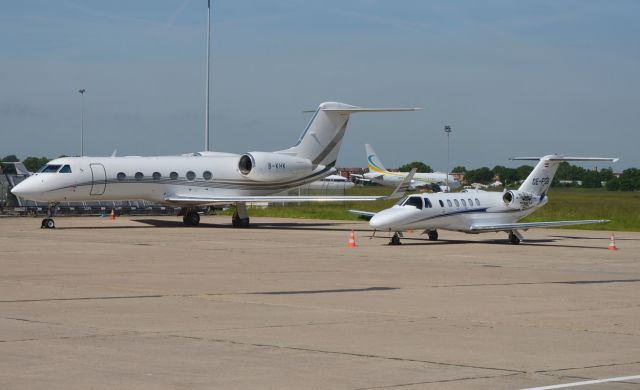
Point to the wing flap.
(529, 225)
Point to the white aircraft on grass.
(205, 178)
(379, 174)
(476, 211)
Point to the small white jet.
(205, 178)
(379, 174)
(476, 211)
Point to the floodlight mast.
(206, 120)
(447, 129)
(82, 91)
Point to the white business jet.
(379, 174)
(205, 178)
(476, 211)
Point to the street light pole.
(206, 120)
(82, 91)
(447, 129)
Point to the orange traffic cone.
(612, 243)
(352, 240)
(112, 216)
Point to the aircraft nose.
(382, 220)
(26, 189)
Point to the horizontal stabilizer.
(562, 158)
(498, 227)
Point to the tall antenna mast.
(206, 120)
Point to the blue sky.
(510, 77)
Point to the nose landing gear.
(49, 223)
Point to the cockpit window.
(415, 201)
(65, 169)
(50, 168)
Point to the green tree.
(591, 179)
(523, 171)
(613, 184)
(11, 158)
(507, 175)
(630, 179)
(459, 169)
(482, 175)
(34, 163)
(420, 167)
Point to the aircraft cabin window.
(207, 175)
(139, 176)
(50, 168)
(173, 175)
(415, 201)
(464, 203)
(449, 203)
(121, 176)
(456, 202)
(441, 203)
(156, 176)
(470, 202)
(65, 169)
(191, 175)
(427, 203)
(477, 202)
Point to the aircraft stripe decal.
(213, 184)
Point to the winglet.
(402, 188)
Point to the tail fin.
(373, 162)
(539, 180)
(321, 140)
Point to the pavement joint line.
(82, 298)
(621, 379)
(352, 354)
(439, 381)
(586, 367)
(569, 282)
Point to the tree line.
(567, 175)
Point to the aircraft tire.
(513, 239)
(395, 240)
(48, 223)
(238, 222)
(191, 218)
(433, 235)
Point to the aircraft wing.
(363, 213)
(200, 200)
(211, 200)
(528, 225)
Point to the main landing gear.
(395, 239)
(49, 223)
(433, 235)
(190, 217)
(515, 237)
(240, 217)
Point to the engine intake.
(518, 200)
(265, 166)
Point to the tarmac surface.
(145, 303)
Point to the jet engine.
(264, 166)
(517, 200)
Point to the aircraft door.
(98, 179)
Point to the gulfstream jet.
(477, 211)
(379, 174)
(205, 178)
